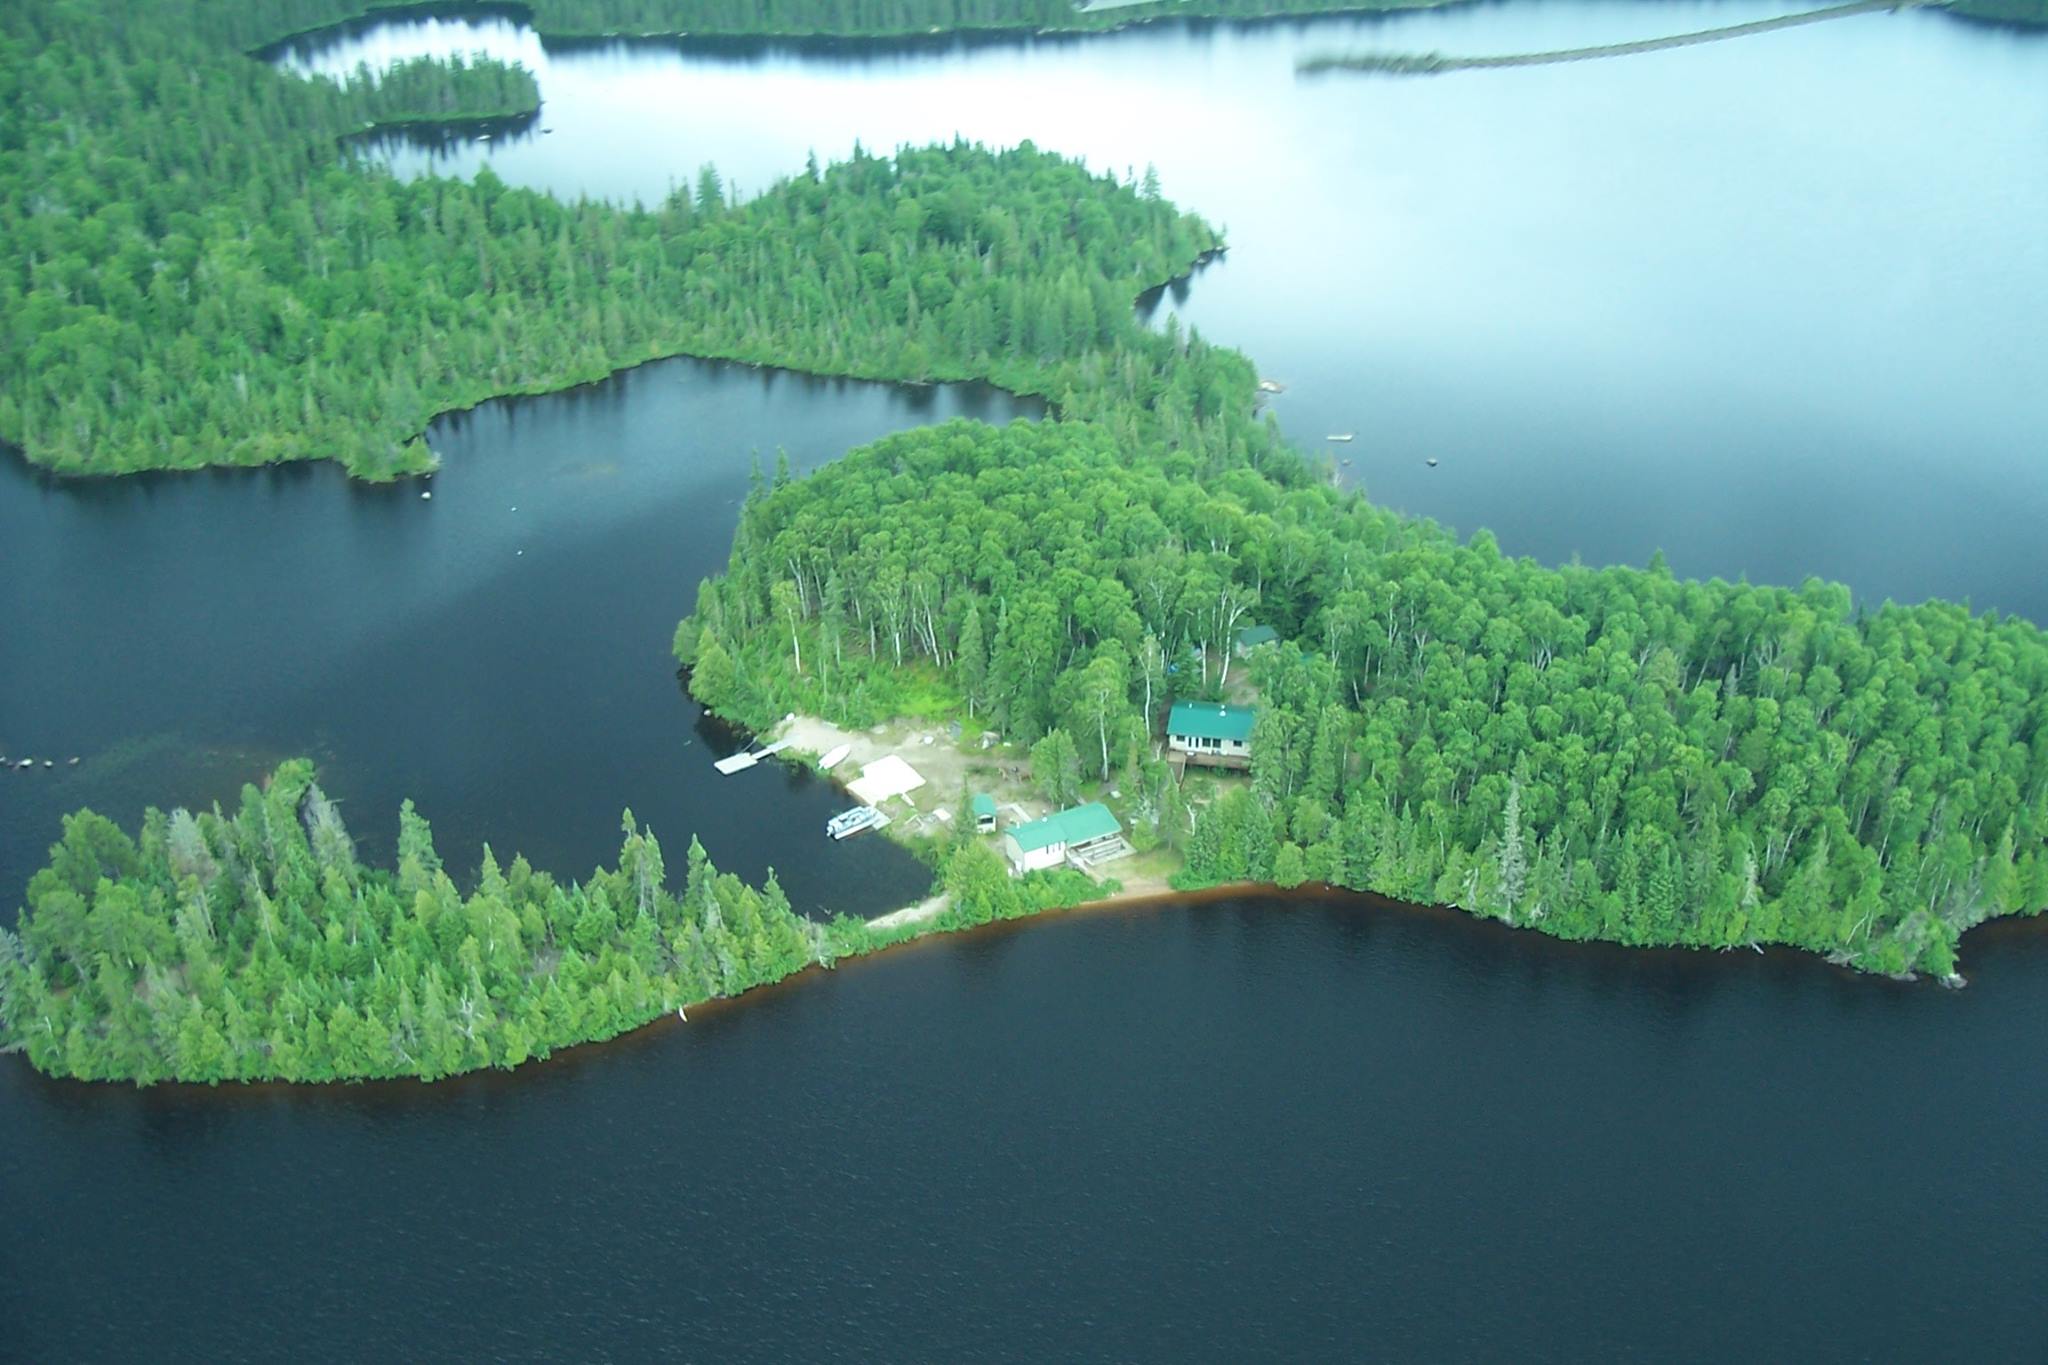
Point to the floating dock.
(742, 761)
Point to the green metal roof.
(1253, 636)
(1075, 826)
(983, 805)
(1210, 720)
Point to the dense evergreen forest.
(899, 18)
(194, 276)
(893, 17)
(254, 945)
(193, 271)
(1600, 753)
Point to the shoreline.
(812, 735)
(1138, 902)
(1157, 887)
(657, 354)
(372, 14)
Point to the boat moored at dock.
(851, 822)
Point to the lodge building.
(1210, 734)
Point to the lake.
(499, 653)
(1260, 1129)
(1773, 305)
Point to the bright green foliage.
(982, 889)
(255, 946)
(1056, 768)
(1608, 753)
(191, 273)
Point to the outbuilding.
(1082, 835)
(1251, 637)
(1210, 733)
(984, 808)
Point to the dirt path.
(924, 912)
(947, 765)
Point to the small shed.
(1210, 733)
(1082, 834)
(1251, 637)
(984, 808)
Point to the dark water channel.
(499, 653)
(1776, 306)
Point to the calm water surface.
(1240, 1131)
(498, 653)
(1775, 305)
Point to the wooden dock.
(742, 761)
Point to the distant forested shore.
(899, 18)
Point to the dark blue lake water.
(1242, 1130)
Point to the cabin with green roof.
(1210, 733)
(1081, 835)
(984, 807)
(1251, 637)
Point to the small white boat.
(851, 822)
(834, 758)
(1271, 386)
(680, 1015)
(1342, 436)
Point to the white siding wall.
(1050, 856)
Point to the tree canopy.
(253, 945)
(193, 273)
(1611, 753)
